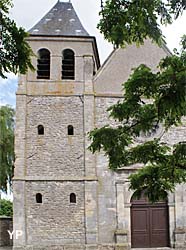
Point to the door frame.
(145, 206)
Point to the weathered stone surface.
(56, 220)
(55, 153)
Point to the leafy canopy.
(126, 21)
(6, 146)
(150, 99)
(15, 56)
(6, 208)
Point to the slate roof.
(61, 20)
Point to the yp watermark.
(17, 233)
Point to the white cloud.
(10, 94)
(7, 90)
(10, 77)
(2, 102)
(174, 32)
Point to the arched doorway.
(149, 223)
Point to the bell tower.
(55, 180)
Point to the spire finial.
(59, 1)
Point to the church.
(66, 198)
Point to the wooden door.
(149, 224)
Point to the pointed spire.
(61, 20)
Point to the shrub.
(6, 208)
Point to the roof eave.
(95, 48)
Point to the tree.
(6, 146)
(150, 99)
(15, 53)
(6, 208)
(126, 21)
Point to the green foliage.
(5, 5)
(6, 208)
(149, 99)
(127, 21)
(15, 54)
(6, 146)
(183, 42)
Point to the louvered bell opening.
(68, 65)
(43, 64)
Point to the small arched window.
(70, 130)
(72, 198)
(68, 65)
(39, 198)
(40, 130)
(43, 64)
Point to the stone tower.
(55, 177)
(65, 198)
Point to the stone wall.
(81, 47)
(118, 66)
(113, 189)
(75, 247)
(54, 153)
(55, 221)
(106, 187)
(5, 225)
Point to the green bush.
(6, 208)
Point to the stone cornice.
(55, 178)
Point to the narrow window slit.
(72, 198)
(40, 130)
(70, 130)
(39, 198)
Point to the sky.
(27, 13)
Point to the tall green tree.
(127, 21)
(6, 146)
(15, 53)
(150, 99)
